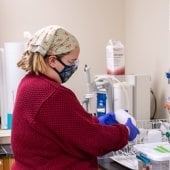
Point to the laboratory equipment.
(101, 103)
(10, 78)
(128, 92)
(157, 155)
(132, 93)
(134, 158)
(154, 143)
(88, 101)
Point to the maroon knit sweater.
(52, 131)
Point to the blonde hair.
(33, 62)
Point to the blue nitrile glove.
(108, 119)
(133, 130)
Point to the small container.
(158, 153)
(101, 103)
(9, 120)
(115, 58)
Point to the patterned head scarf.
(52, 40)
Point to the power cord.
(155, 108)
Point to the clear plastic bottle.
(115, 58)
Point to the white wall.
(142, 25)
(147, 48)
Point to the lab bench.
(109, 164)
(6, 160)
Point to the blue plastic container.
(101, 103)
(9, 120)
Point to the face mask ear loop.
(56, 70)
(58, 73)
(61, 62)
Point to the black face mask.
(67, 72)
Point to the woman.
(51, 130)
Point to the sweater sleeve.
(78, 130)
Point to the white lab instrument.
(3, 96)
(128, 92)
(88, 101)
(10, 77)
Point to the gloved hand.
(133, 130)
(122, 116)
(108, 119)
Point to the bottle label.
(115, 58)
